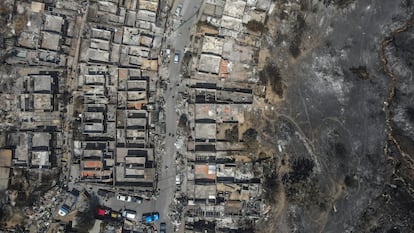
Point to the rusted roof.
(202, 171)
(223, 72)
(92, 164)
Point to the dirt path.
(391, 91)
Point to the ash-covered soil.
(337, 167)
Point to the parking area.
(123, 206)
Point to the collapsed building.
(116, 89)
(223, 185)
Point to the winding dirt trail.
(391, 91)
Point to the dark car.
(86, 195)
(150, 217)
(162, 227)
(75, 192)
(105, 193)
(137, 199)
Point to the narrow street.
(179, 39)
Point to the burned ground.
(330, 130)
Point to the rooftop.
(209, 63)
(205, 131)
(205, 171)
(5, 163)
(53, 23)
(42, 83)
(212, 44)
(234, 8)
(50, 41)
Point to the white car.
(178, 10)
(177, 56)
(129, 214)
(122, 197)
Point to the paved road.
(179, 40)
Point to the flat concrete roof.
(122, 153)
(137, 84)
(224, 170)
(92, 153)
(40, 158)
(100, 44)
(213, 45)
(205, 111)
(41, 139)
(205, 131)
(53, 23)
(133, 133)
(42, 102)
(209, 63)
(93, 127)
(28, 39)
(94, 79)
(50, 41)
(101, 34)
(132, 175)
(37, 7)
(98, 55)
(234, 8)
(205, 191)
(136, 122)
(231, 23)
(150, 5)
(42, 83)
(134, 96)
(146, 15)
(135, 160)
(5, 163)
(90, 116)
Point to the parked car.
(137, 199)
(116, 215)
(102, 212)
(86, 195)
(150, 217)
(176, 56)
(163, 228)
(178, 9)
(129, 214)
(123, 197)
(105, 193)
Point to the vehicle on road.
(105, 193)
(150, 217)
(178, 9)
(129, 214)
(176, 56)
(163, 228)
(137, 199)
(178, 179)
(123, 197)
